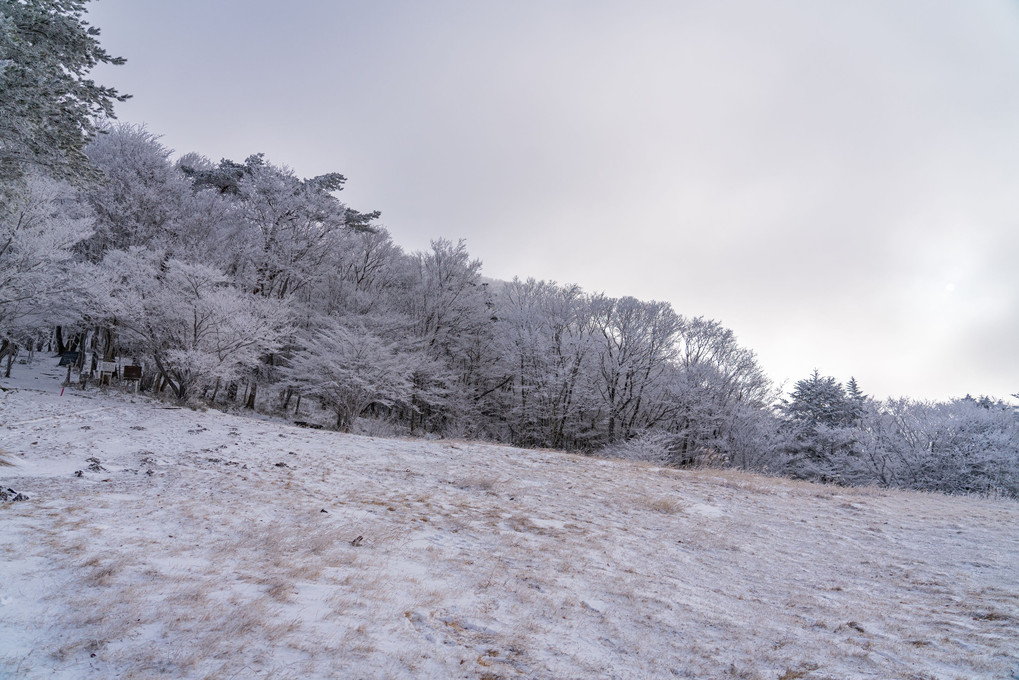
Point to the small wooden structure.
(132, 374)
(106, 369)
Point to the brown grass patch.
(666, 506)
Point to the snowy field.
(205, 545)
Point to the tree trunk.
(61, 347)
(250, 403)
(164, 380)
(108, 348)
(7, 349)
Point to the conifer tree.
(48, 105)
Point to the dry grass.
(665, 505)
(98, 571)
(485, 561)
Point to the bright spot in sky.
(950, 287)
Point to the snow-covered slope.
(199, 544)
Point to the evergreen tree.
(821, 419)
(48, 107)
(821, 400)
(856, 400)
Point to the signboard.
(132, 373)
(68, 359)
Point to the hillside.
(206, 545)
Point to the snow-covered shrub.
(653, 446)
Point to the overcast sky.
(838, 182)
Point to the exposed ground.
(204, 545)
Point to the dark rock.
(9, 495)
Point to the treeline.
(237, 278)
(239, 283)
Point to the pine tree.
(821, 400)
(48, 107)
(856, 400)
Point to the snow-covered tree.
(448, 310)
(822, 427)
(48, 105)
(187, 319)
(144, 200)
(637, 346)
(39, 227)
(718, 395)
(360, 275)
(955, 447)
(821, 400)
(286, 226)
(446, 300)
(547, 346)
(350, 369)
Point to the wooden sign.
(68, 359)
(132, 373)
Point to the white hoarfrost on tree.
(286, 226)
(39, 227)
(638, 344)
(717, 394)
(360, 275)
(188, 319)
(548, 348)
(962, 446)
(48, 104)
(144, 200)
(446, 302)
(447, 307)
(350, 369)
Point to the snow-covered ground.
(196, 544)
